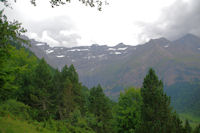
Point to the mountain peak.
(189, 40)
(120, 45)
(160, 41)
(95, 45)
(189, 36)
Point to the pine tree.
(99, 105)
(43, 83)
(155, 109)
(73, 75)
(187, 127)
(197, 129)
(69, 92)
(66, 100)
(55, 93)
(176, 125)
(77, 87)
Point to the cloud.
(51, 30)
(180, 18)
(75, 24)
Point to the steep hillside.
(13, 125)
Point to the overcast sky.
(129, 21)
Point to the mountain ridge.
(123, 65)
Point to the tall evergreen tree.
(73, 75)
(176, 125)
(66, 100)
(156, 105)
(69, 94)
(77, 89)
(43, 83)
(55, 94)
(197, 129)
(99, 105)
(187, 127)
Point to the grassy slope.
(194, 120)
(10, 125)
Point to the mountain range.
(121, 66)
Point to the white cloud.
(176, 20)
(48, 39)
(74, 24)
(32, 35)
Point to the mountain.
(123, 65)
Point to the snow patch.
(122, 48)
(40, 44)
(89, 57)
(166, 46)
(72, 50)
(60, 56)
(100, 56)
(117, 53)
(49, 51)
(112, 49)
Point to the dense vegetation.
(37, 98)
(185, 97)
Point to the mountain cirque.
(122, 65)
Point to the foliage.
(193, 119)
(187, 127)
(91, 3)
(54, 3)
(9, 31)
(185, 97)
(128, 111)
(15, 108)
(13, 125)
(155, 109)
(100, 106)
(197, 129)
(176, 125)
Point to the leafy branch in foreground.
(91, 3)
(10, 31)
